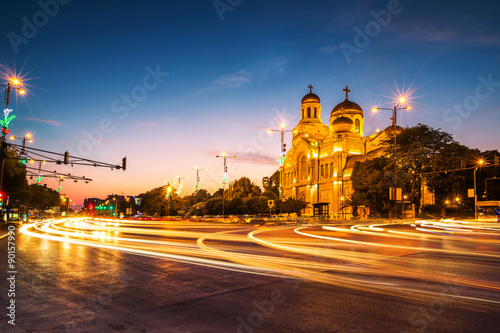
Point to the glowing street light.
(12, 84)
(180, 185)
(224, 176)
(394, 118)
(281, 159)
(479, 164)
(197, 176)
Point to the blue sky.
(223, 76)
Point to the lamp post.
(394, 118)
(180, 185)
(168, 194)
(197, 176)
(479, 164)
(224, 177)
(281, 159)
(12, 84)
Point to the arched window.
(315, 112)
(308, 112)
(331, 170)
(303, 168)
(356, 126)
(322, 171)
(326, 171)
(302, 114)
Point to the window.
(303, 168)
(331, 170)
(315, 112)
(308, 112)
(302, 114)
(356, 126)
(322, 171)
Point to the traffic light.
(1, 199)
(225, 169)
(124, 163)
(66, 157)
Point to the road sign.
(270, 203)
(497, 212)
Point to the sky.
(172, 84)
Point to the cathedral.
(319, 165)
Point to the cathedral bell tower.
(310, 110)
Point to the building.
(319, 165)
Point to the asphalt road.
(98, 276)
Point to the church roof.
(353, 159)
(311, 97)
(390, 129)
(343, 121)
(346, 106)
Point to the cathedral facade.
(319, 165)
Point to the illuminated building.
(319, 165)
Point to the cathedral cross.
(347, 91)
(310, 88)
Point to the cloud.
(47, 121)
(235, 79)
(256, 158)
(454, 35)
(277, 65)
(245, 157)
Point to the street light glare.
(15, 81)
(375, 109)
(269, 131)
(282, 125)
(408, 107)
(402, 99)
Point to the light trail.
(408, 259)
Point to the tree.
(154, 202)
(416, 148)
(271, 185)
(291, 205)
(42, 197)
(242, 188)
(371, 182)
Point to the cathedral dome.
(346, 107)
(311, 97)
(343, 124)
(390, 129)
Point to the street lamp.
(197, 176)
(224, 177)
(479, 163)
(180, 185)
(28, 137)
(281, 159)
(394, 118)
(169, 192)
(12, 84)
